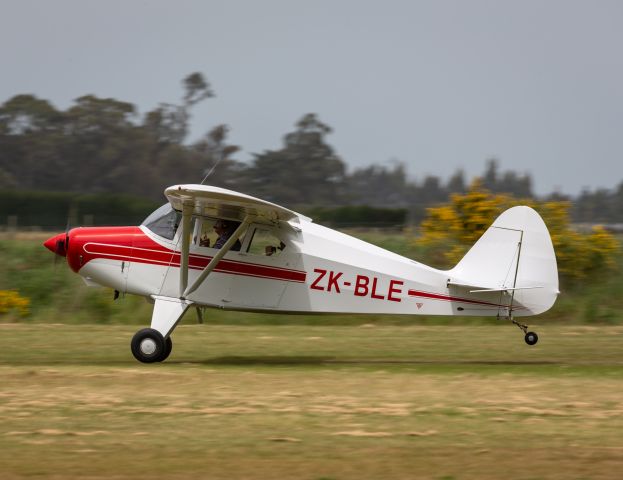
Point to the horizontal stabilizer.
(504, 289)
(482, 288)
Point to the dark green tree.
(456, 184)
(196, 88)
(305, 171)
(216, 154)
(169, 123)
(102, 151)
(378, 186)
(31, 136)
(509, 182)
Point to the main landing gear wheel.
(531, 338)
(149, 346)
(168, 346)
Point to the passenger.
(225, 229)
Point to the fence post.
(11, 225)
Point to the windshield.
(164, 221)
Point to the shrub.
(449, 230)
(11, 300)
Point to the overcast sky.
(438, 84)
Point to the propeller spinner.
(58, 244)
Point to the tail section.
(515, 257)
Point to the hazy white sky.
(437, 84)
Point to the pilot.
(271, 250)
(224, 229)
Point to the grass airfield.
(313, 402)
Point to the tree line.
(103, 145)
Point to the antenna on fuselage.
(213, 167)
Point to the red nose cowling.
(56, 244)
(106, 242)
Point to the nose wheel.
(149, 346)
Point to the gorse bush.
(448, 231)
(12, 301)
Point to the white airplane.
(266, 258)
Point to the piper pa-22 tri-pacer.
(276, 260)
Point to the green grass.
(312, 402)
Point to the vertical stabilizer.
(515, 255)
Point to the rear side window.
(264, 242)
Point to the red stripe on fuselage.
(158, 255)
(449, 298)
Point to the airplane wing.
(223, 203)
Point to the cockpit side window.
(164, 221)
(207, 235)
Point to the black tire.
(531, 338)
(168, 346)
(148, 345)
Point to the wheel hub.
(148, 346)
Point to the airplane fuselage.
(320, 271)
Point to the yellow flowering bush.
(450, 230)
(11, 300)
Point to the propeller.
(59, 244)
(61, 247)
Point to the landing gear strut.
(530, 337)
(154, 344)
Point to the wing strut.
(217, 258)
(187, 210)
